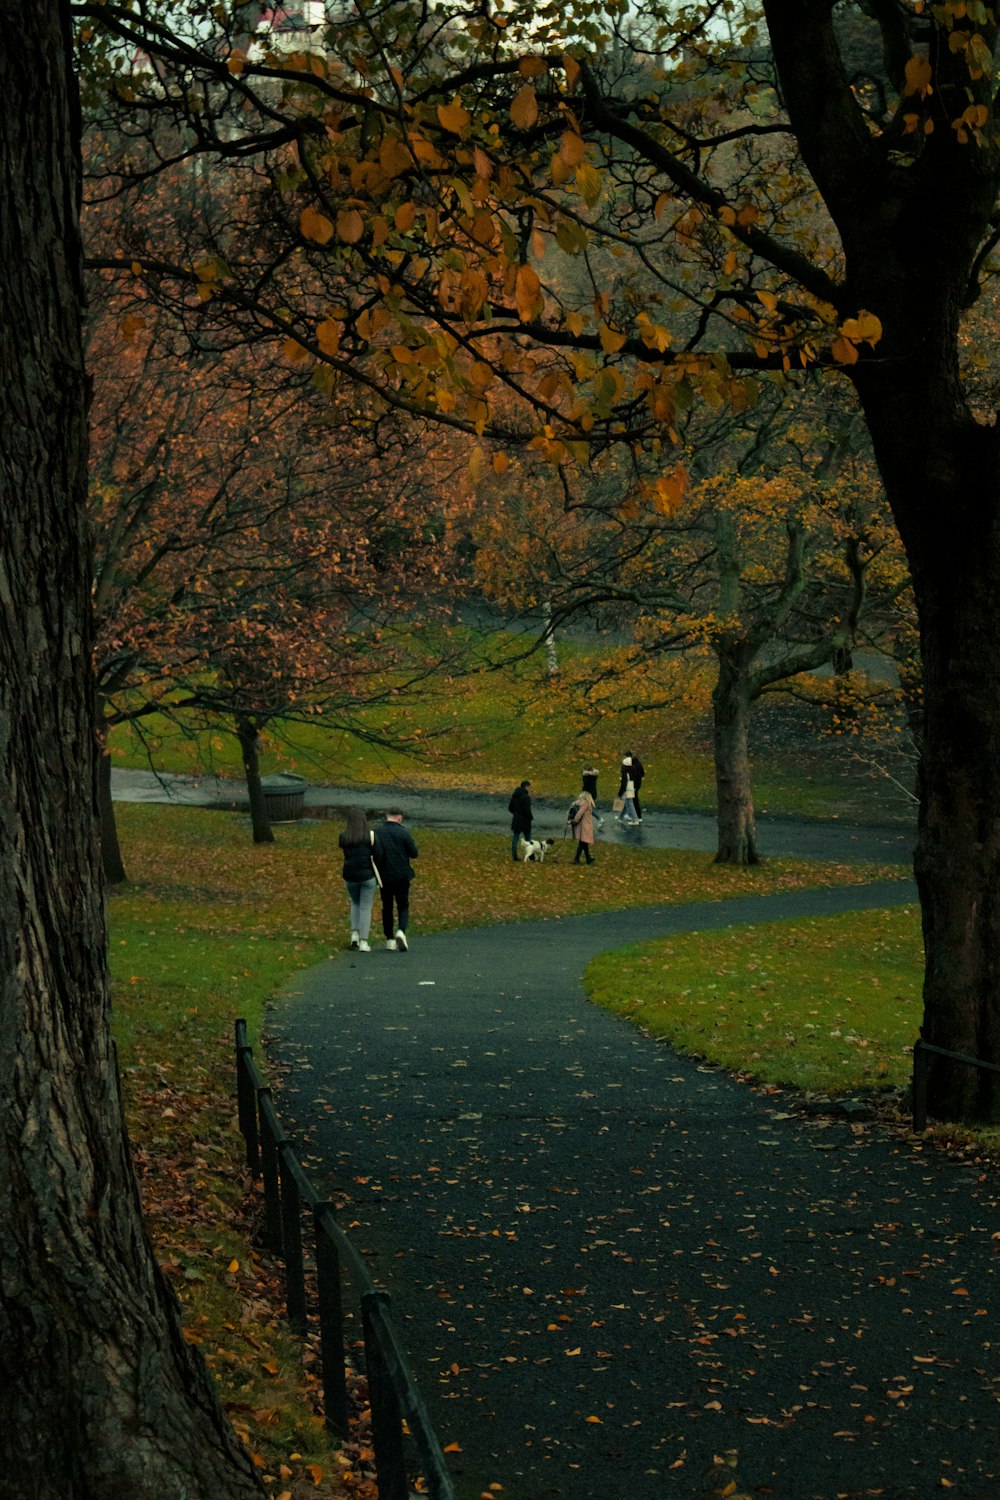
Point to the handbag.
(618, 805)
(378, 877)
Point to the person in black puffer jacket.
(394, 848)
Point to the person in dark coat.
(588, 782)
(632, 769)
(394, 848)
(519, 808)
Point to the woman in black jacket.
(359, 875)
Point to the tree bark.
(737, 829)
(260, 821)
(100, 1395)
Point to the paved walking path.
(661, 828)
(610, 1263)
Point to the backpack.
(573, 813)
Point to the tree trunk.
(734, 796)
(260, 820)
(111, 851)
(100, 1394)
(944, 485)
(549, 637)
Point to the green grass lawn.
(831, 1005)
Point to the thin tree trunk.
(549, 637)
(737, 828)
(111, 851)
(100, 1394)
(260, 820)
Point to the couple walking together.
(378, 857)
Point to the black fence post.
(919, 1086)
(291, 1239)
(269, 1172)
(246, 1101)
(333, 1353)
(387, 1416)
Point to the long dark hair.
(356, 829)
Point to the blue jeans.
(362, 895)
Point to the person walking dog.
(394, 848)
(519, 808)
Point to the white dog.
(535, 849)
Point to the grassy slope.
(482, 732)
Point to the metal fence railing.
(921, 1052)
(290, 1203)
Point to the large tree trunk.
(737, 828)
(953, 542)
(912, 228)
(942, 475)
(260, 820)
(100, 1395)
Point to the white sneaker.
(401, 940)
(363, 947)
(390, 943)
(355, 939)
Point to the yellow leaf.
(918, 76)
(865, 328)
(350, 226)
(768, 300)
(527, 292)
(594, 1419)
(572, 149)
(405, 217)
(574, 322)
(453, 117)
(532, 67)
(393, 157)
(524, 107)
(315, 1472)
(136, 268)
(315, 226)
(669, 490)
(844, 352)
(588, 181)
(500, 463)
(295, 354)
(452, 1448)
(328, 335)
(611, 339)
(234, 1265)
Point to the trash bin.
(285, 795)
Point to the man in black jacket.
(519, 808)
(394, 848)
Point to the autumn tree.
(100, 1392)
(768, 573)
(257, 558)
(432, 169)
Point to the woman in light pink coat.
(583, 827)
